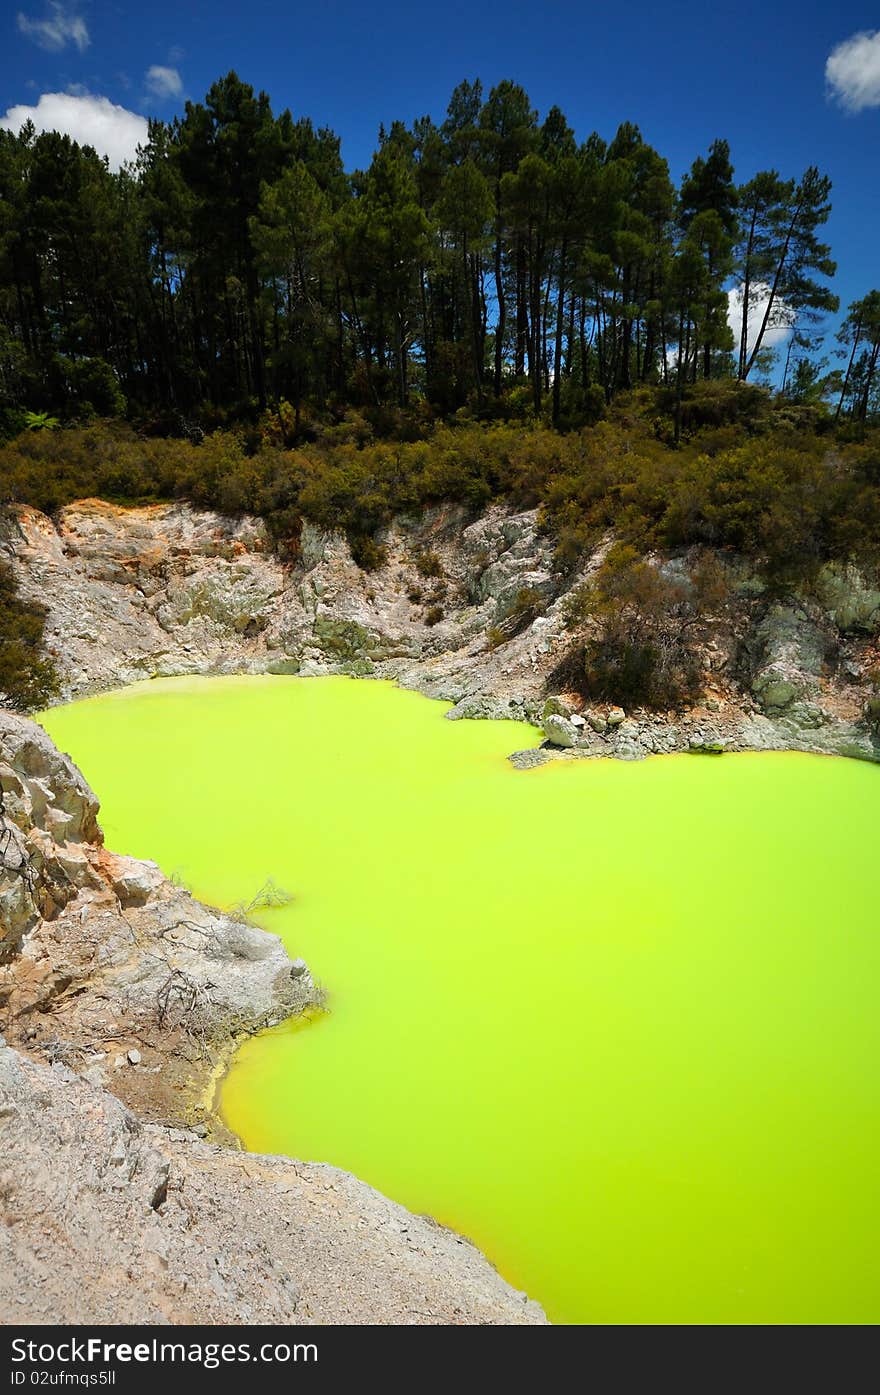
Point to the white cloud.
(782, 317)
(163, 82)
(853, 71)
(96, 121)
(60, 27)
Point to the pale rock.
(560, 731)
(120, 1222)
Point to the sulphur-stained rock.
(481, 707)
(111, 1220)
(166, 589)
(44, 781)
(133, 881)
(628, 749)
(775, 691)
(345, 639)
(18, 913)
(614, 716)
(47, 812)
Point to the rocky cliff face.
(147, 592)
(470, 610)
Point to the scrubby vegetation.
(785, 488)
(645, 620)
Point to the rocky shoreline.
(121, 1000)
(109, 1219)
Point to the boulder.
(484, 707)
(775, 691)
(133, 881)
(560, 731)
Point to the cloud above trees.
(853, 71)
(163, 82)
(112, 130)
(782, 316)
(61, 25)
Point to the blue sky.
(755, 75)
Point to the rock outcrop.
(110, 1220)
(166, 589)
(102, 956)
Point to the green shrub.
(368, 554)
(642, 650)
(428, 564)
(40, 421)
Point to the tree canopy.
(490, 257)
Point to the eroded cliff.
(473, 610)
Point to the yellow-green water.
(618, 1023)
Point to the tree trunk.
(746, 297)
(869, 378)
(679, 378)
(849, 368)
(560, 323)
(773, 289)
(501, 321)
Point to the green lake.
(617, 1023)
